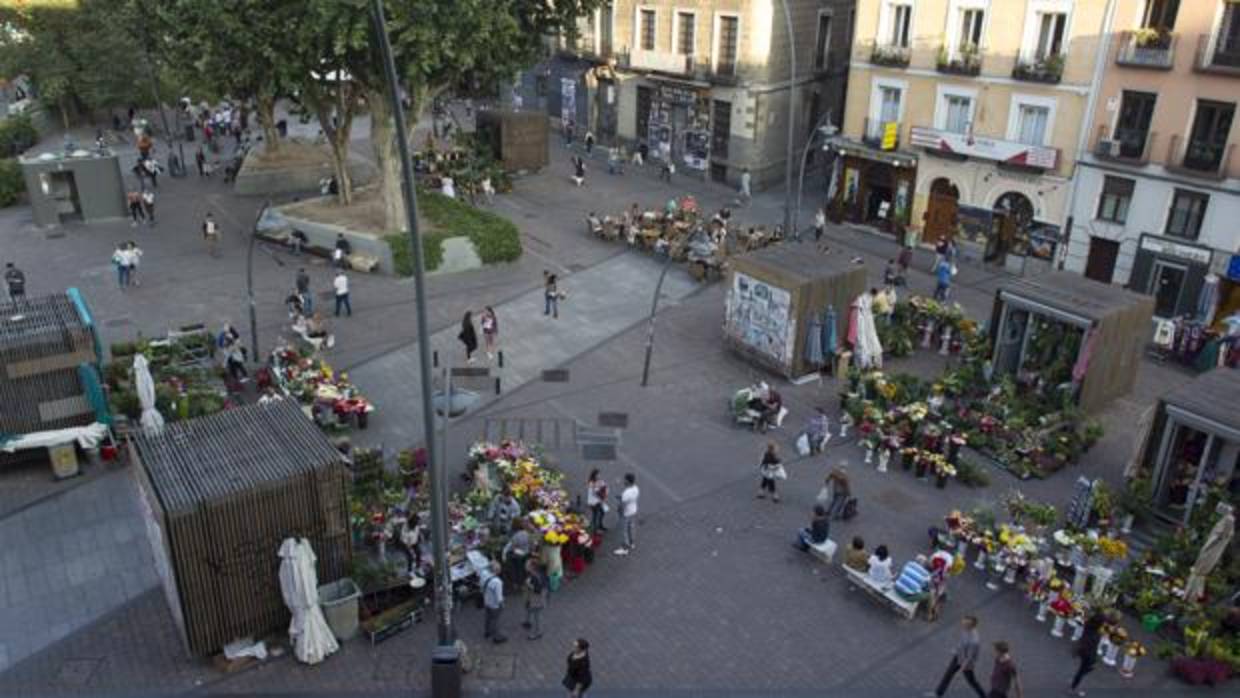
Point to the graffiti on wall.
(760, 316)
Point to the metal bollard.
(497, 385)
(435, 358)
(501, 358)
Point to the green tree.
(81, 57)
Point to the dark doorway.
(65, 193)
(941, 213)
(645, 97)
(1167, 284)
(1100, 266)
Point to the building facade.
(1158, 190)
(963, 120)
(702, 82)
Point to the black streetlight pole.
(445, 661)
(249, 282)
(654, 309)
(792, 124)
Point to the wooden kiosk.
(1193, 442)
(776, 293)
(219, 494)
(1057, 322)
(518, 139)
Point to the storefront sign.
(677, 94)
(1043, 239)
(987, 148)
(1163, 246)
(891, 134)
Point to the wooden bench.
(824, 551)
(886, 597)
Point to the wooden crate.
(219, 495)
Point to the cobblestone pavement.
(714, 602)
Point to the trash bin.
(339, 601)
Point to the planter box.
(392, 621)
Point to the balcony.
(890, 56)
(661, 61)
(1199, 159)
(1223, 58)
(967, 60)
(1047, 70)
(1125, 146)
(1146, 48)
(883, 135)
(1036, 157)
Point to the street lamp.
(445, 661)
(789, 229)
(824, 128)
(249, 280)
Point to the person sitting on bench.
(879, 571)
(767, 405)
(596, 225)
(817, 532)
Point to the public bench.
(824, 551)
(886, 597)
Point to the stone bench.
(887, 597)
(824, 551)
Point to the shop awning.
(1208, 402)
(895, 158)
(1018, 301)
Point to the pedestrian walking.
(577, 677)
(1087, 649)
(820, 224)
(121, 261)
(490, 330)
(148, 206)
(134, 198)
(468, 337)
(135, 260)
(1004, 680)
(746, 183)
(516, 553)
(152, 169)
(596, 499)
(943, 280)
(551, 294)
(964, 659)
(905, 260)
(341, 251)
(211, 233)
(838, 489)
(579, 170)
(589, 142)
(769, 470)
(15, 280)
(493, 603)
(303, 290)
(668, 169)
(535, 598)
(568, 132)
(628, 514)
(341, 286)
(200, 159)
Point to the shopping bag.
(803, 444)
(780, 473)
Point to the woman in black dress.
(577, 678)
(468, 336)
(1087, 649)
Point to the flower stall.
(786, 306)
(1069, 339)
(924, 323)
(187, 383)
(327, 394)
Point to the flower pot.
(926, 333)
(962, 547)
(921, 468)
(1078, 629)
(1043, 607)
(1125, 527)
(1112, 654)
(1009, 576)
(1057, 628)
(869, 454)
(1104, 646)
(946, 341)
(940, 481)
(1127, 667)
(884, 456)
(980, 564)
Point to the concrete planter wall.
(253, 181)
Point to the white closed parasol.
(869, 351)
(152, 420)
(299, 584)
(1211, 552)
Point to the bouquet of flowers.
(1113, 548)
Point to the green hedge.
(12, 184)
(17, 134)
(496, 239)
(402, 252)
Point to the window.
(721, 128)
(605, 28)
(1051, 26)
(901, 24)
(823, 47)
(1188, 208)
(647, 29)
(970, 29)
(889, 105)
(958, 110)
(1160, 14)
(1032, 124)
(729, 36)
(1116, 195)
(1132, 128)
(1208, 139)
(686, 27)
(1227, 43)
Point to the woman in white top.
(596, 499)
(880, 567)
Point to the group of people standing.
(490, 333)
(126, 259)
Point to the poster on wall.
(759, 315)
(568, 99)
(852, 179)
(697, 149)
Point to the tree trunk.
(387, 157)
(340, 163)
(266, 113)
(64, 113)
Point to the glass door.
(1167, 282)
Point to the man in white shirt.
(493, 602)
(628, 513)
(746, 192)
(341, 284)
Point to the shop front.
(1193, 446)
(875, 186)
(678, 122)
(1172, 271)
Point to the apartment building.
(1157, 206)
(702, 82)
(963, 120)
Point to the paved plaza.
(715, 601)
